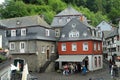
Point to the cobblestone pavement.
(96, 75)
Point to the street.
(102, 74)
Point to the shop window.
(95, 61)
(99, 61)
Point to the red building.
(78, 42)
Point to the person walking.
(66, 70)
(111, 71)
(84, 70)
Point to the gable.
(104, 26)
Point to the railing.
(44, 67)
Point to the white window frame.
(13, 32)
(74, 47)
(52, 49)
(57, 32)
(63, 46)
(12, 46)
(43, 49)
(85, 46)
(47, 32)
(98, 46)
(95, 46)
(23, 32)
(22, 45)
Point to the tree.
(13, 9)
(57, 5)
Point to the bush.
(2, 58)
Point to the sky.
(1, 1)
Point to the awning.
(71, 58)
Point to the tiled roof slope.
(24, 21)
(69, 11)
(80, 27)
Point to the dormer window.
(60, 20)
(68, 19)
(23, 32)
(18, 22)
(57, 32)
(85, 34)
(63, 35)
(13, 32)
(47, 32)
(93, 32)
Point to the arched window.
(99, 61)
(95, 61)
(74, 34)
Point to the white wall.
(91, 65)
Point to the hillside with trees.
(95, 10)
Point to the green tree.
(57, 5)
(13, 9)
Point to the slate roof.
(69, 11)
(113, 33)
(35, 25)
(34, 33)
(104, 26)
(106, 33)
(24, 21)
(81, 27)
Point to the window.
(74, 47)
(43, 49)
(94, 46)
(13, 32)
(68, 19)
(23, 32)
(63, 47)
(93, 32)
(47, 32)
(22, 45)
(98, 46)
(52, 49)
(12, 46)
(99, 61)
(57, 32)
(60, 20)
(85, 46)
(74, 34)
(95, 61)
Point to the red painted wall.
(80, 48)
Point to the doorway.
(48, 56)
